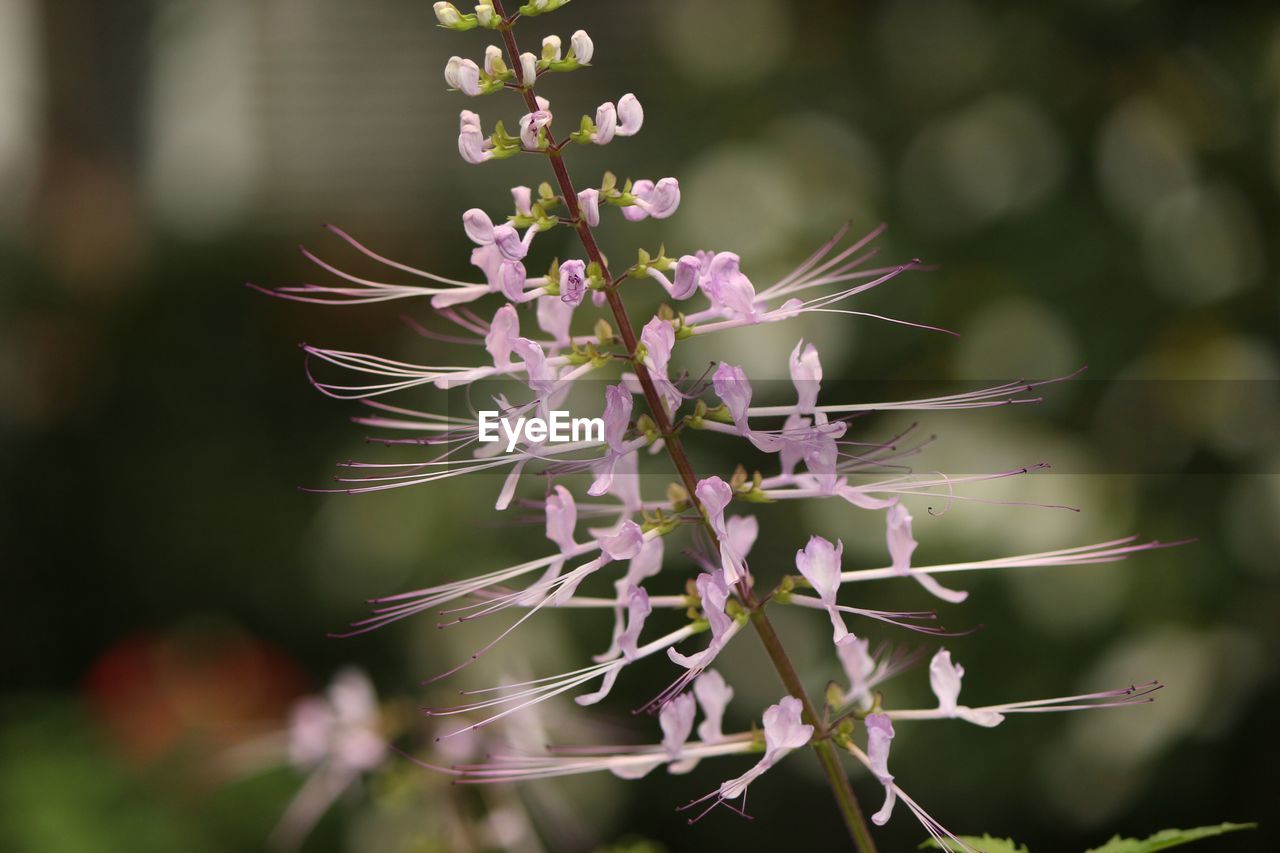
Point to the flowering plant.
(813, 457)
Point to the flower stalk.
(850, 811)
(815, 457)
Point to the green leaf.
(1167, 838)
(986, 844)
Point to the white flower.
(589, 205)
(551, 49)
(528, 69)
(485, 15)
(493, 61)
(713, 696)
(581, 47)
(463, 75)
(447, 14)
(523, 198)
(606, 123)
(944, 678)
(473, 145)
(819, 562)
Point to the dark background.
(1097, 181)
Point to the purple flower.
(573, 281)
(879, 737)
(714, 595)
(617, 419)
(473, 145)
(783, 732)
(630, 115)
(713, 696)
(562, 518)
(806, 375)
(819, 562)
(531, 127)
(676, 721)
(624, 544)
(606, 123)
(658, 338)
(944, 678)
(715, 494)
(902, 544)
(555, 316)
(638, 609)
(728, 288)
(503, 330)
(658, 200)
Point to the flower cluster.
(528, 334)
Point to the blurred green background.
(1097, 180)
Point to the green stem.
(847, 801)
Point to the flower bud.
(573, 281)
(463, 75)
(606, 123)
(528, 69)
(551, 51)
(581, 47)
(523, 198)
(630, 115)
(447, 14)
(486, 16)
(494, 65)
(589, 206)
